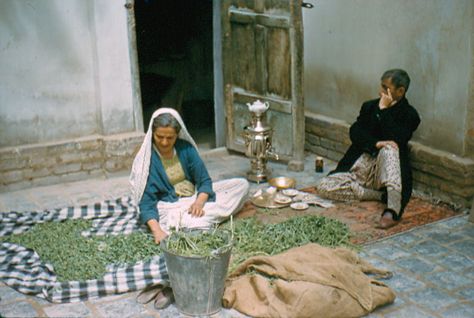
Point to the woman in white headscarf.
(171, 184)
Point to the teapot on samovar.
(258, 142)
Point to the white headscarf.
(141, 163)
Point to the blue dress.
(159, 188)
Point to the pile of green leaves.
(253, 238)
(75, 257)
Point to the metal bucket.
(197, 282)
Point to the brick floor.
(433, 265)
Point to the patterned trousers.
(367, 179)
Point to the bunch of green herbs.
(199, 243)
(75, 257)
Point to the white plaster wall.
(114, 70)
(64, 70)
(348, 45)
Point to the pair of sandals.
(161, 295)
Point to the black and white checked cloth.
(22, 269)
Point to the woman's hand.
(197, 208)
(159, 236)
(156, 231)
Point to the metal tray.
(263, 202)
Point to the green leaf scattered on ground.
(253, 238)
(75, 257)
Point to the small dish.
(299, 206)
(271, 190)
(282, 199)
(258, 193)
(290, 192)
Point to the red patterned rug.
(360, 217)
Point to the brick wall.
(444, 175)
(72, 160)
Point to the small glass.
(319, 164)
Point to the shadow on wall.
(338, 95)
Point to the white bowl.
(290, 192)
(299, 206)
(282, 199)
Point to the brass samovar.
(258, 143)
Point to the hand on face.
(386, 100)
(389, 94)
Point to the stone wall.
(444, 175)
(51, 163)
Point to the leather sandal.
(164, 298)
(149, 293)
(386, 220)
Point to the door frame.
(219, 108)
(135, 69)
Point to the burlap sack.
(308, 281)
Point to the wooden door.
(262, 58)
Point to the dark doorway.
(175, 57)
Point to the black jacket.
(396, 123)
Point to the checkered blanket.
(22, 268)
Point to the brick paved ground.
(433, 265)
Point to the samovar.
(258, 143)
